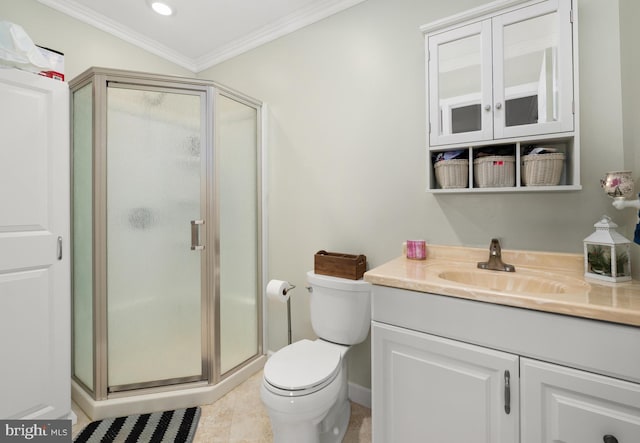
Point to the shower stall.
(166, 241)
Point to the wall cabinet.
(454, 370)
(504, 73)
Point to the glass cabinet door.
(532, 70)
(460, 85)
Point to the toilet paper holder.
(278, 290)
(289, 311)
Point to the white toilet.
(304, 387)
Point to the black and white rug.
(177, 426)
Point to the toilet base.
(332, 429)
(340, 424)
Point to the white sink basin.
(515, 282)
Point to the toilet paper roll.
(277, 290)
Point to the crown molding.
(286, 25)
(290, 23)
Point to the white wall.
(347, 147)
(347, 137)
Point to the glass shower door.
(155, 185)
(238, 186)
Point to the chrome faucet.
(495, 259)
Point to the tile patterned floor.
(240, 417)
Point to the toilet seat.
(302, 368)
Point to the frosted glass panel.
(82, 236)
(154, 281)
(238, 197)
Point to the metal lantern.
(606, 253)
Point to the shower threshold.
(159, 399)
(157, 383)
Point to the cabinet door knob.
(487, 107)
(498, 105)
(609, 439)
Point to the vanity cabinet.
(457, 370)
(504, 73)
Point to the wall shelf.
(569, 179)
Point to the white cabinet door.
(563, 405)
(459, 80)
(34, 272)
(431, 389)
(533, 70)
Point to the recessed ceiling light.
(161, 7)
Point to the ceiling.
(202, 33)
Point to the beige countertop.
(550, 282)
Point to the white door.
(34, 269)
(563, 405)
(431, 389)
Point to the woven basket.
(494, 171)
(452, 174)
(542, 169)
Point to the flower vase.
(618, 184)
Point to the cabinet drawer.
(566, 405)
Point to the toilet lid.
(302, 365)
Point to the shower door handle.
(195, 235)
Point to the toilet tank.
(340, 308)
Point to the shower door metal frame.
(205, 110)
(101, 271)
(99, 79)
